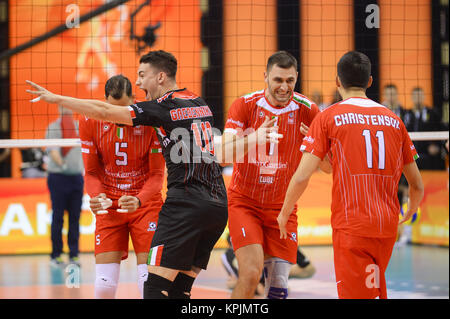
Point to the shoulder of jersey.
(252, 96)
(301, 99)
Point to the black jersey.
(184, 125)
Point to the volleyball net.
(73, 47)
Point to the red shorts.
(249, 224)
(360, 264)
(113, 230)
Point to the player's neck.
(168, 88)
(356, 92)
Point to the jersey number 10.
(205, 139)
(381, 149)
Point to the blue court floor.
(414, 272)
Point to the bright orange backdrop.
(27, 204)
(79, 61)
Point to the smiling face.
(280, 83)
(150, 80)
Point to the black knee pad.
(181, 287)
(154, 287)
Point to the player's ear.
(369, 84)
(266, 77)
(338, 82)
(161, 77)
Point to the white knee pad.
(106, 280)
(276, 274)
(142, 273)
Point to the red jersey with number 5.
(121, 160)
(369, 145)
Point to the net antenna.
(61, 28)
(149, 36)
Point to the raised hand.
(42, 94)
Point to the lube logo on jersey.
(261, 114)
(265, 179)
(105, 127)
(291, 118)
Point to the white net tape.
(31, 143)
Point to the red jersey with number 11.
(369, 145)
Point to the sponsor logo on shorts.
(151, 226)
(294, 237)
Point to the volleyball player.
(370, 149)
(194, 214)
(260, 178)
(123, 165)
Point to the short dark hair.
(390, 86)
(117, 85)
(283, 59)
(161, 60)
(354, 70)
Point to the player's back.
(367, 142)
(184, 125)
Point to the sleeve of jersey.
(148, 113)
(316, 140)
(92, 166)
(237, 117)
(408, 149)
(154, 183)
(314, 111)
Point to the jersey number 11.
(381, 149)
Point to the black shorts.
(186, 233)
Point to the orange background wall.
(27, 204)
(405, 47)
(326, 34)
(79, 61)
(249, 38)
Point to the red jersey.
(122, 160)
(264, 175)
(369, 145)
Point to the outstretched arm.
(94, 109)
(296, 188)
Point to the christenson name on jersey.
(369, 145)
(264, 174)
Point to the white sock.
(142, 273)
(106, 280)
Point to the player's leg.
(57, 196)
(303, 268)
(170, 249)
(250, 260)
(142, 225)
(357, 275)
(74, 210)
(384, 248)
(107, 271)
(246, 234)
(182, 284)
(111, 246)
(276, 274)
(280, 254)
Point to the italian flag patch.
(119, 132)
(154, 256)
(416, 157)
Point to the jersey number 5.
(206, 143)
(123, 155)
(381, 149)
